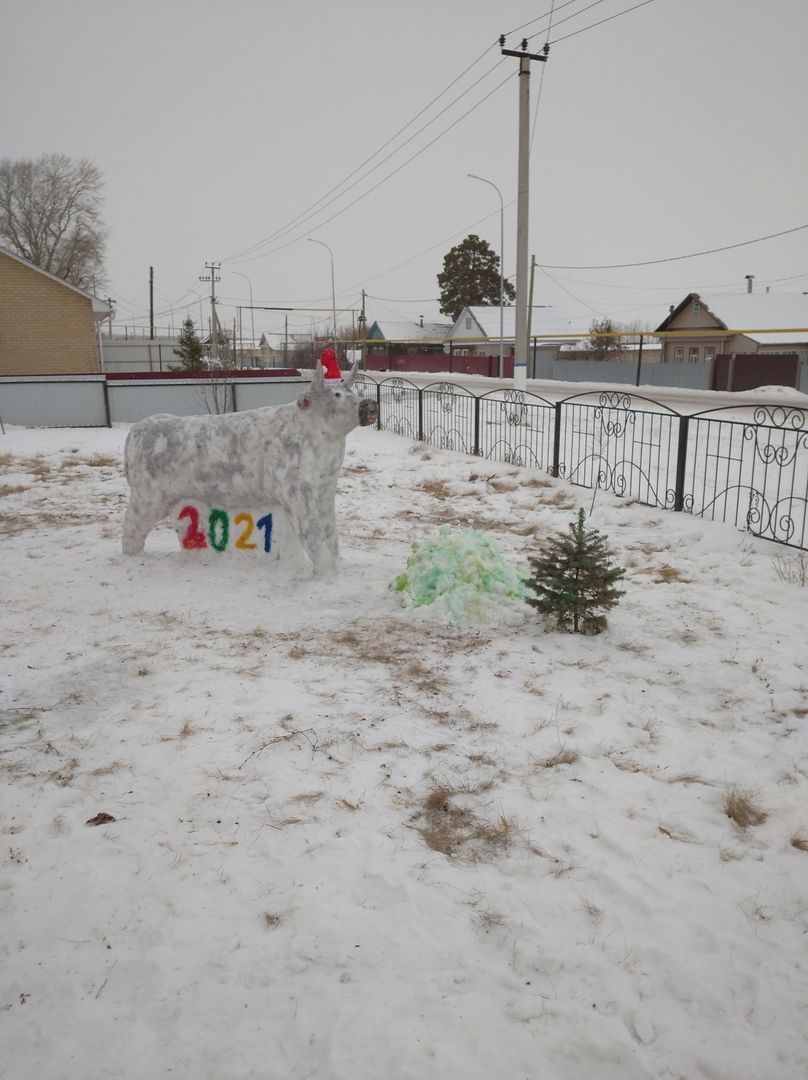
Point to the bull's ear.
(349, 378)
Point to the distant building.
(47, 326)
(748, 323)
(389, 337)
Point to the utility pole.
(530, 313)
(212, 278)
(363, 331)
(151, 303)
(109, 305)
(522, 207)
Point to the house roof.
(401, 330)
(544, 320)
(100, 308)
(746, 312)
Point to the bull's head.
(335, 403)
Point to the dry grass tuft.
(457, 831)
(560, 500)
(440, 489)
(144, 669)
(6, 458)
(664, 575)
(489, 919)
(792, 568)
(12, 489)
(480, 758)
(353, 807)
(799, 841)
(102, 461)
(634, 647)
(739, 805)
(564, 756)
(592, 910)
(271, 920)
(64, 777)
(308, 797)
(106, 770)
(39, 467)
(186, 729)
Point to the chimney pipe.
(422, 319)
(749, 279)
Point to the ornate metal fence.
(620, 442)
(749, 466)
(744, 464)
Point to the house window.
(709, 354)
(468, 322)
(678, 354)
(693, 354)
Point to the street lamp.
(333, 294)
(238, 273)
(472, 176)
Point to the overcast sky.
(233, 131)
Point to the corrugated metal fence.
(97, 401)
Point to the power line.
(306, 216)
(397, 300)
(602, 21)
(541, 18)
(290, 224)
(676, 258)
(541, 85)
(574, 15)
(390, 175)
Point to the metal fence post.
(420, 415)
(556, 437)
(681, 461)
(107, 413)
(379, 406)
(476, 448)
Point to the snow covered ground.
(353, 841)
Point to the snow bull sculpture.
(287, 456)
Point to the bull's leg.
(140, 518)
(311, 535)
(328, 516)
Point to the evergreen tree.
(574, 581)
(191, 349)
(470, 277)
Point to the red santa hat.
(328, 359)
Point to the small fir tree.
(574, 581)
(191, 350)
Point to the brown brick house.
(47, 327)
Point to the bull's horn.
(318, 377)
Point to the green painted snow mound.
(463, 574)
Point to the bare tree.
(50, 214)
(304, 349)
(606, 340)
